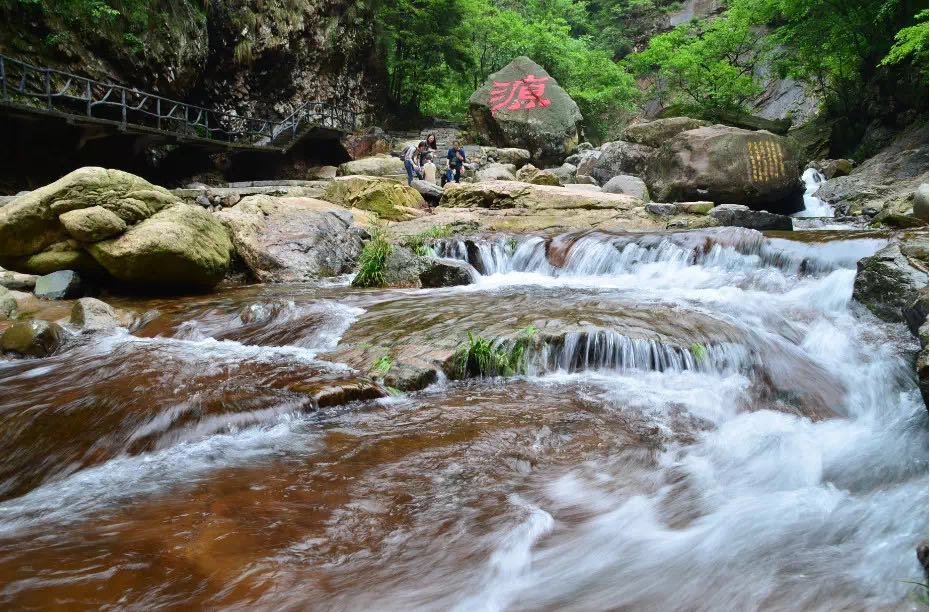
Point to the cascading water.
(814, 206)
(706, 421)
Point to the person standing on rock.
(411, 157)
(456, 157)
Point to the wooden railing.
(30, 87)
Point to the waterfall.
(814, 206)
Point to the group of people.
(417, 156)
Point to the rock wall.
(264, 57)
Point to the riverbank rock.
(30, 224)
(60, 285)
(389, 200)
(885, 181)
(832, 168)
(17, 281)
(376, 165)
(8, 305)
(619, 157)
(431, 192)
(737, 215)
(727, 165)
(404, 269)
(180, 247)
(887, 284)
(508, 155)
(35, 338)
(91, 314)
(292, 239)
(657, 133)
(921, 200)
(627, 185)
(522, 106)
(153, 239)
(497, 172)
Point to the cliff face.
(264, 57)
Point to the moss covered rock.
(181, 247)
(30, 224)
(376, 165)
(92, 224)
(34, 338)
(389, 200)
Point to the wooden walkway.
(28, 89)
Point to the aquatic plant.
(382, 365)
(418, 242)
(372, 261)
(479, 356)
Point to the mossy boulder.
(887, 284)
(180, 247)
(8, 305)
(376, 165)
(34, 338)
(389, 200)
(30, 224)
(65, 255)
(92, 224)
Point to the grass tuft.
(419, 243)
(382, 365)
(481, 357)
(372, 260)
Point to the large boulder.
(727, 164)
(292, 239)
(522, 106)
(516, 195)
(887, 284)
(30, 224)
(531, 174)
(619, 157)
(565, 173)
(657, 133)
(34, 338)
(17, 281)
(60, 285)
(389, 200)
(738, 215)
(377, 165)
(585, 162)
(628, 185)
(180, 247)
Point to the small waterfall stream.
(814, 206)
(706, 421)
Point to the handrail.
(53, 89)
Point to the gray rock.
(445, 273)
(17, 281)
(584, 146)
(657, 133)
(34, 338)
(664, 210)
(546, 122)
(497, 172)
(726, 164)
(431, 192)
(8, 305)
(565, 173)
(61, 285)
(508, 155)
(887, 284)
(91, 314)
(203, 200)
(292, 239)
(582, 179)
(629, 185)
(738, 215)
(921, 197)
(620, 157)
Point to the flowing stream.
(707, 421)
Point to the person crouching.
(411, 157)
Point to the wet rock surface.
(59, 285)
(292, 239)
(35, 338)
(888, 284)
(738, 215)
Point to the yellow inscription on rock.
(766, 160)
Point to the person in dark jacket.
(429, 152)
(457, 161)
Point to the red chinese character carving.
(527, 93)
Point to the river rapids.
(707, 421)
